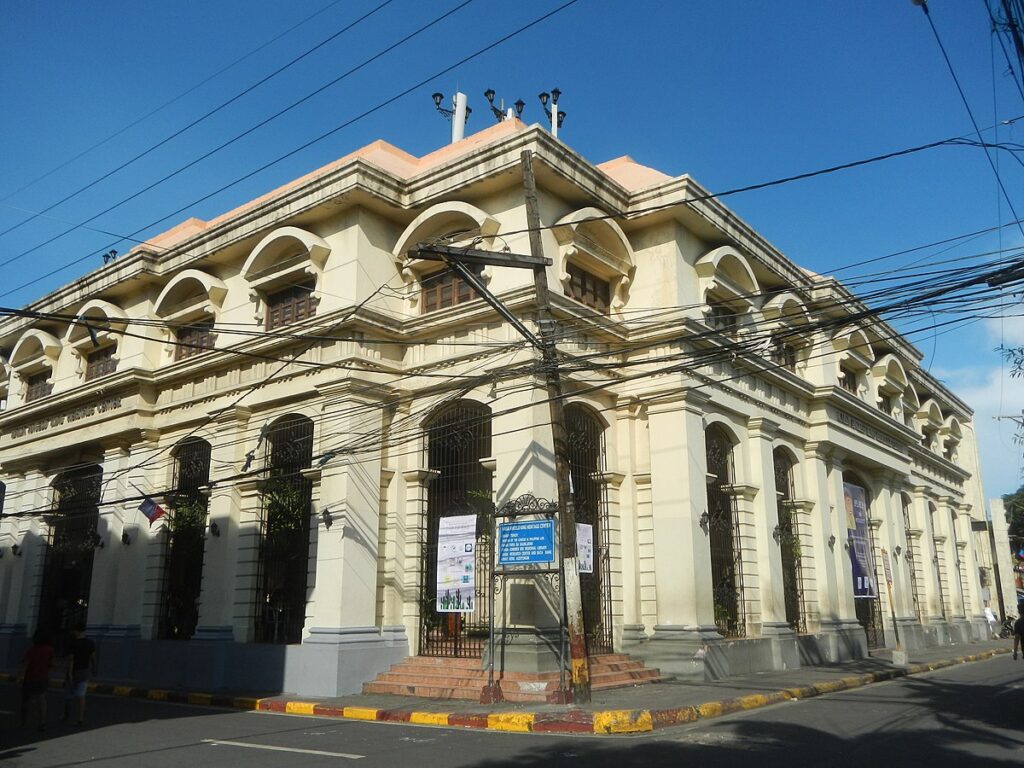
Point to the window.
(848, 380)
(39, 385)
(886, 404)
(446, 289)
(588, 289)
(783, 354)
(723, 318)
(100, 362)
(290, 305)
(194, 339)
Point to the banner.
(585, 547)
(456, 564)
(860, 548)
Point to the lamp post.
(554, 115)
(458, 114)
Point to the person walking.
(35, 677)
(1018, 630)
(991, 619)
(81, 665)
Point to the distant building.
(754, 456)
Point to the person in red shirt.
(35, 677)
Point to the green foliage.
(1014, 505)
(287, 509)
(188, 516)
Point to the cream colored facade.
(697, 301)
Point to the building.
(310, 402)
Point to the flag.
(151, 510)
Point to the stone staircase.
(450, 678)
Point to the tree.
(1014, 505)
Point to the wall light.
(125, 538)
(327, 518)
(214, 529)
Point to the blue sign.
(526, 543)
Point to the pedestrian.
(35, 677)
(81, 657)
(1018, 630)
(991, 619)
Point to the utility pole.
(457, 259)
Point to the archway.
(860, 544)
(458, 437)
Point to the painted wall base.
(329, 662)
(528, 651)
(834, 643)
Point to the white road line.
(270, 748)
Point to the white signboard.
(585, 547)
(456, 564)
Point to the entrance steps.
(438, 677)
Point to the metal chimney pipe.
(459, 118)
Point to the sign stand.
(545, 512)
(899, 656)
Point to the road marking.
(269, 748)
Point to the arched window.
(186, 526)
(67, 577)
(458, 437)
(585, 435)
(284, 554)
(788, 537)
(723, 534)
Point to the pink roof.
(630, 174)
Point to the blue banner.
(526, 543)
(860, 542)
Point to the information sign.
(526, 542)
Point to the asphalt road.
(962, 716)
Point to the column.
(766, 519)
(685, 612)
(416, 481)
(822, 534)
(934, 607)
(627, 413)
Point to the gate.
(183, 568)
(911, 559)
(67, 573)
(585, 434)
(719, 523)
(284, 545)
(457, 439)
(788, 537)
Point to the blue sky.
(732, 93)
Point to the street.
(965, 715)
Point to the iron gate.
(788, 537)
(284, 545)
(869, 609)
(721, 527)
(585, 436)
(915, 594)
(183, 567)
(457, 439)
(67, 573)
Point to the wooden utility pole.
(457, 259)
(579, 665)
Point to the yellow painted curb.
(242, 702)
(517, 722)
(360, 713)
(199, 698)
(754, 701)
(853, 681)
(299, 707)
(156, 695)
(710, 709)
(429, 718)
(623, 721)
(122, 690)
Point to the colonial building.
(757, 455)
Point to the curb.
(578, 721)
(622, 721)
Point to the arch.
(458, 437)
(33, 344)
(786, 308)
(854, 341)
(891, 370)
(713, 420)
(274, 253)
(594, 223)
(186, 289)
(183, 561)
(585, 435)
(951, 428)
(725, 267)
(95, 323)
(448, 217)
(287, 511)
(720, 523)
(930, 414)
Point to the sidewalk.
(617, 711)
